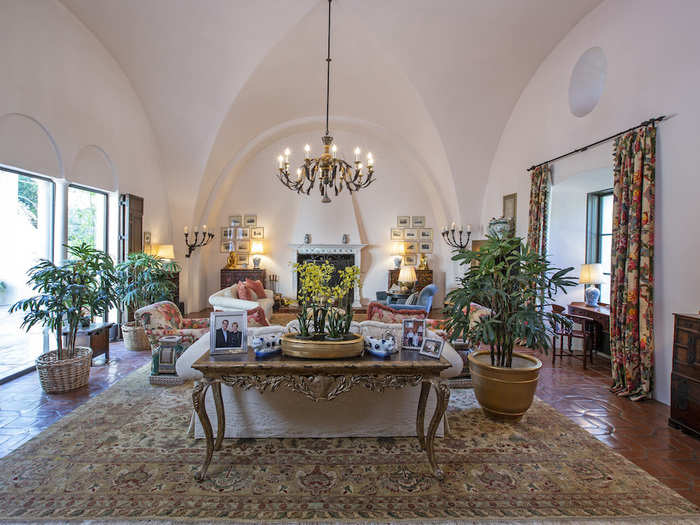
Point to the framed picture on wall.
(410, 234)
(418, 221)
(243, 246)
(226, 246)
(411, 247)
(242, 233)
(410, 259)
(510, 207)
(397, 234)
(250, 220)
(426, 234)
(425, 246)
(227, 233)
(242, 260)
(257, 233)
(235, 221)
(403, 221)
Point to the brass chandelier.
(331, 173)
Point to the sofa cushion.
(386, 314)
(256, 317)
(243, 292)
(257, 288)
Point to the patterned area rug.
(125, 455)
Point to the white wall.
(367, 216)
(68, 111)
(652, 49)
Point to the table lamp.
(407, 278)
(591, 274)
(164, 251)
(398, 250)
(257, 249)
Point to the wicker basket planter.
(135, 337)
(57, 376)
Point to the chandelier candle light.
(331, 173)
(450, 235)
(197, 242)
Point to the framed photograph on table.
(243, 246)
(418, 221)
(413, 332)
(257, 233)
(397, 234)
(228, 333)
(242, 233)
(250, 220)
(432, 348)
(235, 221)
(403, 221)
(425, 246)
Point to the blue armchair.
(425, 300)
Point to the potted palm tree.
(517, 286)
(143, 279)
(83, 286)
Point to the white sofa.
(227, 299)
(283, 413)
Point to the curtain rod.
(584, 148)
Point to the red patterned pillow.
(256, 317)
(256, 286)
(387, 314)
(244, 292)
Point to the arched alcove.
(27, 144)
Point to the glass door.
(26, 213)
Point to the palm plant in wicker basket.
(82, 286)
(144, 279)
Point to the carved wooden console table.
(321, 380)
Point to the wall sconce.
(197, 243)
(449, 236)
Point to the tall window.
(599, 236)
(87, 217)
(26, 213)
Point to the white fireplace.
(330, 249)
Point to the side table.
(99, 338)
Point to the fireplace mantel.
(321, 249)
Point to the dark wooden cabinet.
(425, 277)
(685, 378)
(231, 277)
(130, 225)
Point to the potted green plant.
(82, 285)
(517, 286)
(143, 279)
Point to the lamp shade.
(164, 251)
(257, 247)
(407, 274)
(591, 274)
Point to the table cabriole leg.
(220, 415)
(198, 394)
(420, 416)
(442, 392)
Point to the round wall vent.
(587, 82)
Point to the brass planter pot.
(504, 393)
(351, 346)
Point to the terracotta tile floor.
(638, 431)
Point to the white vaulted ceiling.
(439, 76)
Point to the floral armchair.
(164, 318)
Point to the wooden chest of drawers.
(425, 277)
(685, 378)
(231, 277)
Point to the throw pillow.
(412, 299)
(257, 287)
(256, 317)
(387, 314)
(244, 292)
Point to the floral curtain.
(632, 272)
(539, 209)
